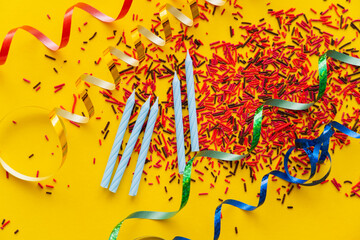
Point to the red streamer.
(66, 28)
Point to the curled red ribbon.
(66, 28)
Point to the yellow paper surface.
(84, 210)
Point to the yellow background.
(85, 210)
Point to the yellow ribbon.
(56, 113)
(59, 128)
(142, 31)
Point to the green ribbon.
(257, 122)
(161, 215)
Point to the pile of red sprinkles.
(257, 65)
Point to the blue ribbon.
(317, 150)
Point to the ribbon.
(163, 13)
(82, 88)
(161, 215)
(59, 128)
(65, 36)
(319, 144)
(217, 3)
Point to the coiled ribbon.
(319, 144)
(59, 128)
(57, 123)
(140, 30)
(65, 36)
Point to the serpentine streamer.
(320, 144)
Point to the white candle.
(118, 140)
(144, 148)
(190, 89)
(130, 146)
(179, 124)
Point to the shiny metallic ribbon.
(82, 90)
(59, 128)
(217, 3)
(65, 31)
(163, 13)
(321, 143)
(318, 154)
(161, 215)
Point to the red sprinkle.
(5, 224)
(74, 104)
(201, 194)
(199, 172)
(74, 123)
(157, 179)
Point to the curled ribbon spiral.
(66, 28)
(59, 128)
(140, 30)
(82, 89)
(321, 143)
